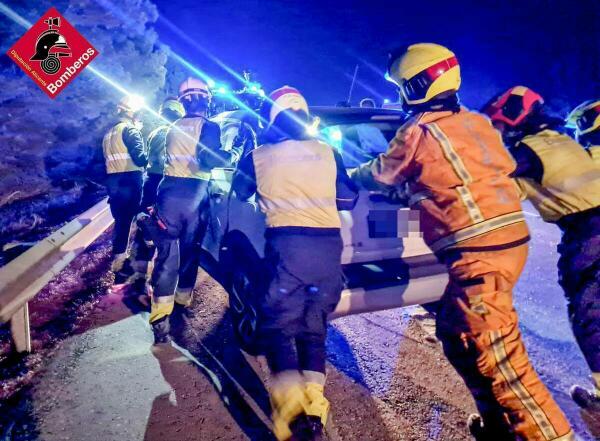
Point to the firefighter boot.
(288, 403)
(588, 400)
(310, 426)
(307, 428)
(161, 329)
(318, 405)
(481, 432)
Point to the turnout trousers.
(178, 209)
(478, 327)
(579, 276)
(124, 197)
(305, 276)
(304, 283)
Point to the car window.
(359, 143)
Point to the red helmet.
(513, 106)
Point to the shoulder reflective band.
(587, 119)
(416, 87)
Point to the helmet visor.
(588, 118)
(416, 87)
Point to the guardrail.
(22, 278)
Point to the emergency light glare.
(261, 92)
(222, 90)
(210, 83)
(336, 135)
(386, 101)
(311, 130)
(136, 102)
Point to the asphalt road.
(386, 379)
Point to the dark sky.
(549, 45)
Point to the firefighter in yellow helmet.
(193, 148)
(300, 184)
(170, 111)
(125, 157)
(563, 183)
(585, 118)
(457, 173)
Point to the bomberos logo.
(52, 52)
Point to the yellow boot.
(318, 405)
(288, 402)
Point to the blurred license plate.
(392, 223)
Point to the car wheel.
(244, 318)
(241, 268)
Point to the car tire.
(241, 267)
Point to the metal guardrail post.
(22, 278)
(19, 328)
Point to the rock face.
(45, 142)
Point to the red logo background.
(82, 53)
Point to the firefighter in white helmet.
(300, 184)
(125, 157)
(192, 149)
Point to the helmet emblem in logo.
(50, 47)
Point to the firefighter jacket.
(457, 171)
(156, 150)
(123, 148)
(193, 149)
(556, 174)
(300, 184)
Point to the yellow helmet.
(585, 118)
(424, 71)
(173, 107)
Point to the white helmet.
(194, 86)
(131, 104)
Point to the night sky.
(549, 45)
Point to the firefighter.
(586, 120)
(457, 172)
(193, 148)
(170, 111)
(563, 184)
(125, 158)
(300, 184)
(142, 249)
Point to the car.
(386, 263)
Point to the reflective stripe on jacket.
(181, 151)
(457, 171)
(296, 184)
(570, 181)
(116, 155)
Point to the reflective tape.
(118, 156)
(461, 171)
(514, 383)
(478, 229)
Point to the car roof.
(330, 115)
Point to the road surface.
(387, 379)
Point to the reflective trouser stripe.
(161, 307)
(183, 297)
(477, 229)
(461, 171)
(517, 387)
